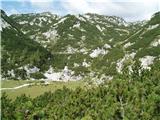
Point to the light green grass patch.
(38, 89)
(13, 83)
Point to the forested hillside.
(74, 47)
(130, 97)
(22, 57)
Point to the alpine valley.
(73, 47)
(79, 67)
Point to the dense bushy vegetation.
(129, 97)
(18, 50)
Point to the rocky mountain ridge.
(88, 45)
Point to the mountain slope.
(81, 42)
(145, 43)
(21, 56)
(75, 30)
(91, 45)
(147, 37)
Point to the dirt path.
(14, 88)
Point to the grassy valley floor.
(36, 88)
